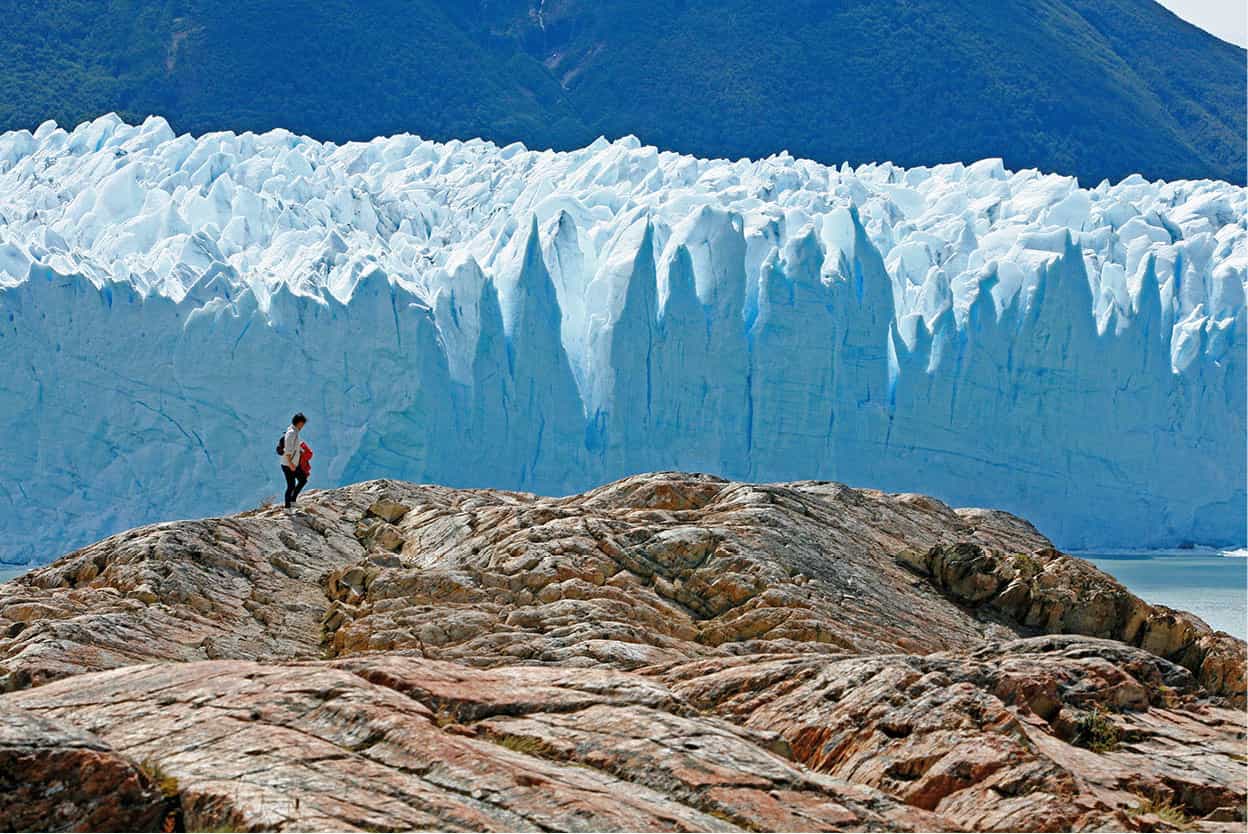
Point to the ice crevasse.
(481, 316)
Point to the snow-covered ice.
(475, 315)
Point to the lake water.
(1211, 586)
(7, 573)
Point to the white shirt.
(290, 455)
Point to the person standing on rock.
(289, 449)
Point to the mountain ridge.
(1087, 88)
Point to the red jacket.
(305, 459)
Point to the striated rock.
(247, 586)
(1050, 592)
(987, 740)
(54, 777)
(652, 569)
(648, 570)
(399, 743)
(668, 652)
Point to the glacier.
(545, 321)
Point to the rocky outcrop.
(1052, 593)
(242, 587)
(393, 743)
(666, 652)
(54, 777)
(999, 739)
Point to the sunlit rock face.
(532, 320)
(668, 651)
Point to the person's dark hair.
(298, 418)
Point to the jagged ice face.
(490, 316)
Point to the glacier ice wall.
(484, 316)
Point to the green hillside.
(1098, 88)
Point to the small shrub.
(1026, 564)
(1096, 731)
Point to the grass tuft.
(1166, 811)
(527, 745)
(166, 784)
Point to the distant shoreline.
(1106, 552)
(8, 571)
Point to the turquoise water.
(1213, 587)
(7, 573)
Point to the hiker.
(291, 451)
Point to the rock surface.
(668, 652)
(54, 777)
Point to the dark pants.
(294, 484)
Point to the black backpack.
(281, 444)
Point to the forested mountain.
(1097, 88)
